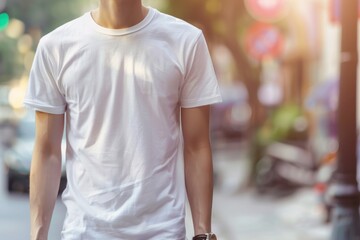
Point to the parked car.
(17, 156)
(7, 133)
(231, 117)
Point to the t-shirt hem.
(201, 102)
(44, 107)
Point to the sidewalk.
(247, 216)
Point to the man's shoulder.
(172, 24)
(66, 30)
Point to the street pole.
(346, 210)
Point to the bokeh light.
(17, 94)
(28, 59)
(4, 20)
(15, 29)
(25, 43)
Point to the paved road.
(245, 215)
(14, 218)
(14, 214)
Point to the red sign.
(263, 40)
(267, 10)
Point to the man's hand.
(45, 172)
(198, 165)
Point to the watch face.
(213, 237)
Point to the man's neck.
(117, 14)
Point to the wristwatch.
(205, 236)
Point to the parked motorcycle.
(323, 184)
(285, 167)
(287, 160)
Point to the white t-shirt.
(122, 91)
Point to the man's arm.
(45, 172)
(198, 165)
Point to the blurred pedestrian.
(121, 76)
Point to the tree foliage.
(10, 60)
(224, 22)
(39, 17)
(44, 14)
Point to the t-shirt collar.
(122, 31)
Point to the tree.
(39, 17)
(44, 14)
(224, 22)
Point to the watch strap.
(200, 237)
(205, 236)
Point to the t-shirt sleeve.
(43, 92)
(200, 86)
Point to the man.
(123, 74)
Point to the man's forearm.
(44, 185)
(199, 185)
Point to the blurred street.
(15, 213)
(283, 137)
(237, 214)
(246, 215)
(293, 218)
